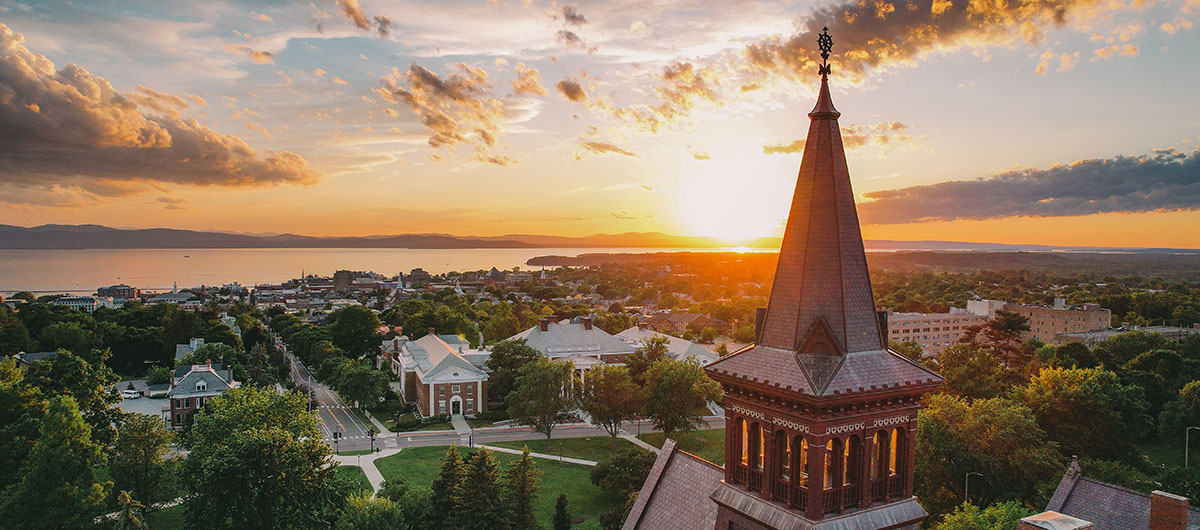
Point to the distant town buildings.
(192, 386)
(673, 322)
(1092, 338)
(1046, 323)
(121, 291)
(933, 331)
(86, 304)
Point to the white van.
(130, 394)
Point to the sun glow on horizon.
(735, 198)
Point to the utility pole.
(967, 486)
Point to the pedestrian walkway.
(567, 459)
(460, 424)
(367, 463)
(379, 427)
(638, 442)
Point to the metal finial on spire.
(825, 43)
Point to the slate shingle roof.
(677, 348)
(676, 493)
(433, 356)
(1106, 506)
(564, 338)
(820, 335)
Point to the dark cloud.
(570, 39)
(70, 130)
(1164, 181)
(602, 148)
(528, 81)
(573, 17)
(571, 90)
(382, 25)
(457, 109)
(873, 33)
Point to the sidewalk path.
(367, 463)
(567, 459)
(638, 442)
(380, 428)
(461, 427)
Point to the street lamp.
(967, 486)
(336, 435)
(1186, 444)
(372, 432)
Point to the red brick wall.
(1168, 512)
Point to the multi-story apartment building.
(82, 303)
(933, 331)
(1045, 323)
(119, 291)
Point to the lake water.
(156, 269)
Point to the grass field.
(419, 466)
(708, 444)
(166, 518)
(356, 452)
(591, 448)
(358, 475)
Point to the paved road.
(335, 416)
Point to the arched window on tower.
(745, 441)
(802, 462)
(761, 448)
(881, 454)
(833, 460)
(784, 444)
(893, 449)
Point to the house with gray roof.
(1107, 506)
(191, 386)
(677, 348)
(437, 375)
(575, 340)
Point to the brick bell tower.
(820, 416)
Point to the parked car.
(130, 394)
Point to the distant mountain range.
(103, 237)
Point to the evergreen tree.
(257, 366)
(57, 488)
(562, 518)
(520, 491)
(441, 502)
(130, 516)
(477, 499)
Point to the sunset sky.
(1069, 122)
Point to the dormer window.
(201, 385)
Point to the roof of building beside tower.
(676, 493)
(1106, 506)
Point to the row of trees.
(672, 394)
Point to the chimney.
(587, 323)
(544, 324)
(642, 325)
(1053, 521)
(208, 363)
(396, 343)
(760, 315)
(1167, 511)
(432, 331)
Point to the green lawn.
(418, 467)
(708, 444)
(166, 518)
(591, 448)
(358, 475)
(356, 452)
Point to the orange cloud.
(528, 81)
